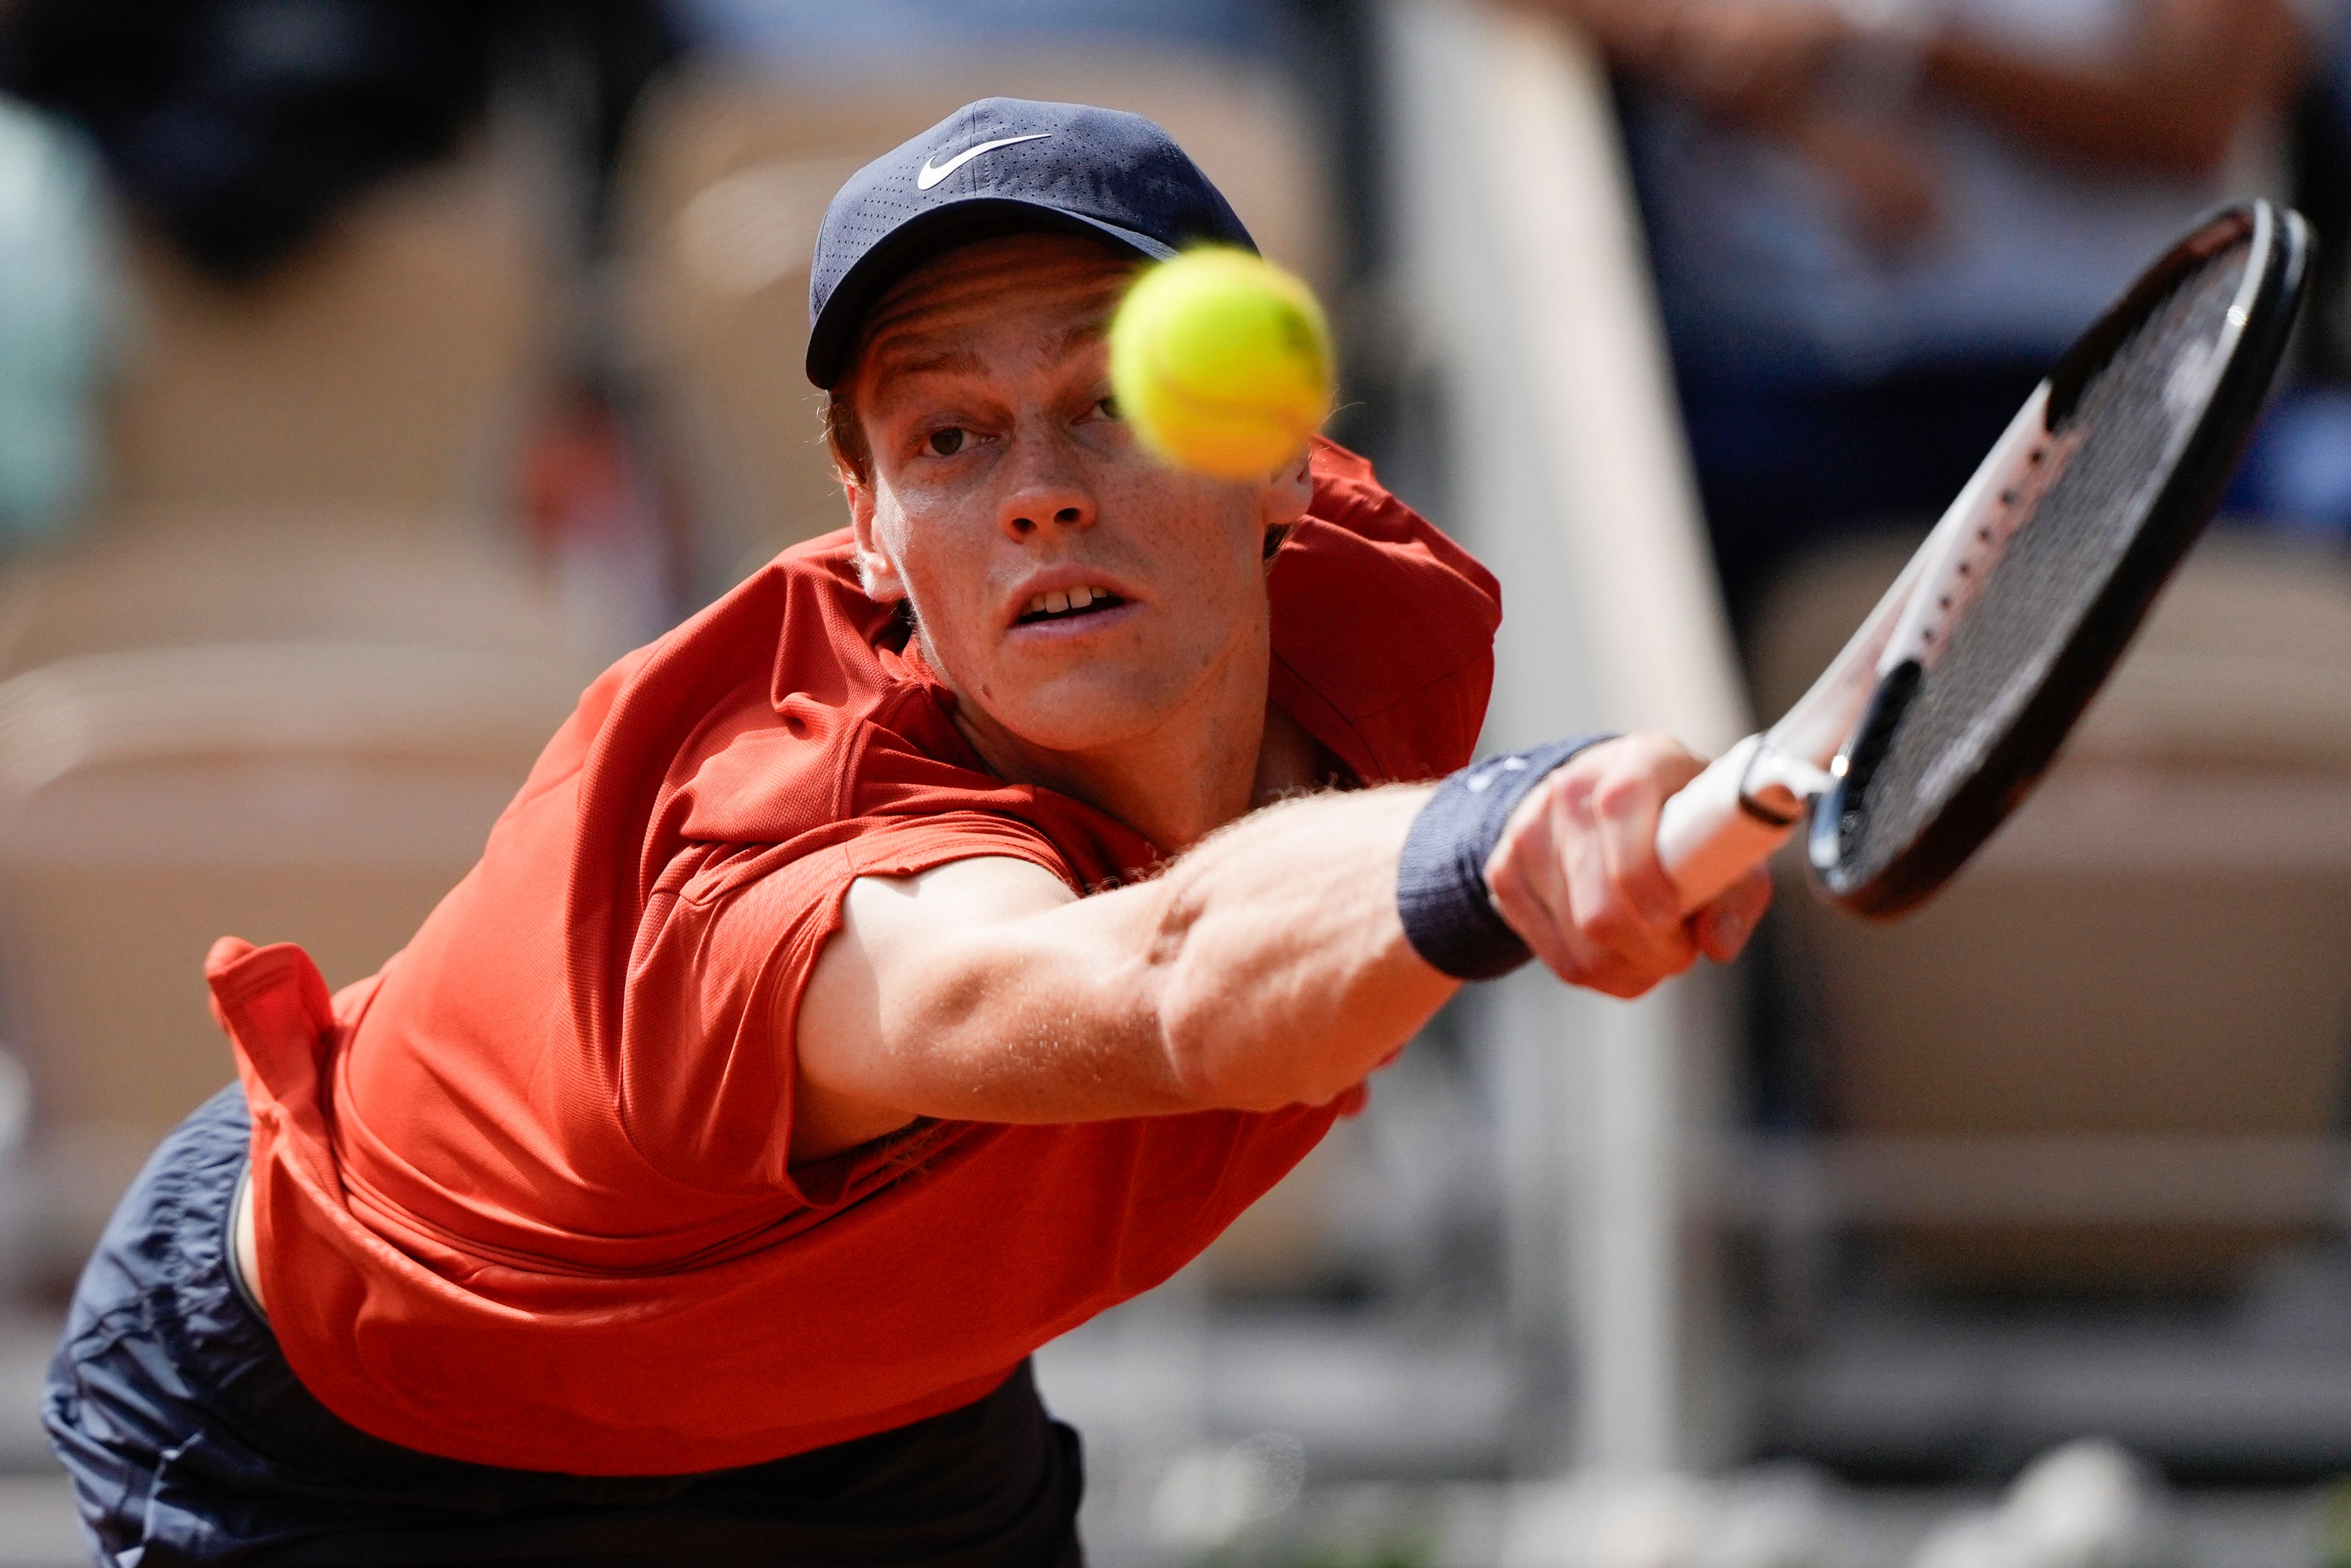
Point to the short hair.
(852, 458)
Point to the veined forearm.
(1280, 964)
(1267, 966)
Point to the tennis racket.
(1948, 704)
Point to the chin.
(1085, 715)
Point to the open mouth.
(1067, 605)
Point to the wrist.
(1448, 908)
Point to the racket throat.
(1834, 824)
(1965, 549)
(1776, 788)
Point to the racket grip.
(1707, 838)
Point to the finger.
(1612, 919)
(1583, 867)
(1723, 926)
(1574, 883)
(1628, 806)
(1528, 885)
(1554, 874)
(1617, 976)
(1672, 764)
(1531, 882)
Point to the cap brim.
(928, 233)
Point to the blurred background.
(371, 371)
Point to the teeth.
(1058, 603)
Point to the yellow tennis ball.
(1221, 363)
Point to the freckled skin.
(981, 386)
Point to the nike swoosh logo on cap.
(931, 175)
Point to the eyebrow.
(945, 361)
(967, 361)
(1083, 335)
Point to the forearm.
(2175, 102)
(1267, 966)
(1753, 63)
(1281, 973)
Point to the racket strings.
(2115, 453)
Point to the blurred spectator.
(825, 27)
(57, 304)
(2298, 474)
(242, 126)
(1876, 222)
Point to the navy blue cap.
(1000, 166)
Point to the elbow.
(1194, 1068)
(1192, 1013)
(1211, 1079)
(1246, 1018)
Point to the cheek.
(941, 568)
(1206, 534)
(1223, 557)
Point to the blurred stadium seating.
(283, 679)
(2150, 954)
(390, 361)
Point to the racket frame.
(1745, 803)
(1749, 799)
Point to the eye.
(1109, 407)
(944, 442)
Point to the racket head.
(2148, 414)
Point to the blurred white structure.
(1523, 268)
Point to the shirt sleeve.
(715, 989)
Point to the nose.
(1045, 485)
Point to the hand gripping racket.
(1943, 710)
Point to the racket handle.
(1707, 839)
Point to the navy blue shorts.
(190, 1440)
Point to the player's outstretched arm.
(1267, 966)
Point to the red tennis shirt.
(524, 1197)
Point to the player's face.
(1078, 591)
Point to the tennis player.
(937, 941)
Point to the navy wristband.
(1448, 912)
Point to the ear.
(1285, 498)
(874, 568)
